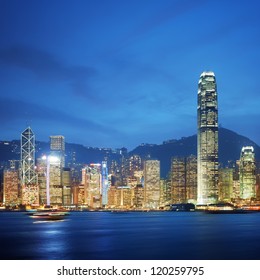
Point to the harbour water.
(130, 235)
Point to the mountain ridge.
(230, 145)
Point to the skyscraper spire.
(207, 139)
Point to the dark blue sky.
(113, 73)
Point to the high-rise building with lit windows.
(178, 180)
(104, 182)
(42, 177)
(30, 191)
(134, 164)
(152, 184)
(207, 117)
(184, 179)
(247, 174)
(11, 187)
(57, 146)
(226, 184)
(90, 194)
(28, 175)
(55, 185)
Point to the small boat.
(49, 215)
(225, 208)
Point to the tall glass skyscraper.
(30, 190)
(207, 139)
(247, 174)
(57, 145)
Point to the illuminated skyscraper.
(54, 172)
(11, 187)
(152, 184)
(226, 184)
(66, 185)
(247, 174)
(42, 174)
(207, 139)
(165, 192)
(104, 182)
(134, 164)
(90, 194)
(184, 179)
(178, 180)
(57, 145)
(28, 175)
(30, 192)
(191, 178)
(120, 197)
(138, 199)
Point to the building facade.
(57, 147)
(207, 117)
(226, 184)
(152, 184)
(11, 187)
(66, 186)
(184, 179)
(247, 174)
(178, 180)
(90, 194)
(165, 192)
(104, 183)
(30, 190)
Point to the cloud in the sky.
(47, 67)
(15, 110)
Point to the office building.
(104, 183)
(66, 186)
(30, 191)
(134, 164)
(42, 180)
(152, 184)
(57, 146)
(138, 199)
(184, 179)
(178, 180)
(165, 192)
(11, 187)
(90, 193)
(113, 197)
(226, 184)
(191, 179)
(247, 174)
(207, 117)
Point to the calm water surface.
(151, 235)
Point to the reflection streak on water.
(44, 222)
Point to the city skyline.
(125, 72)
